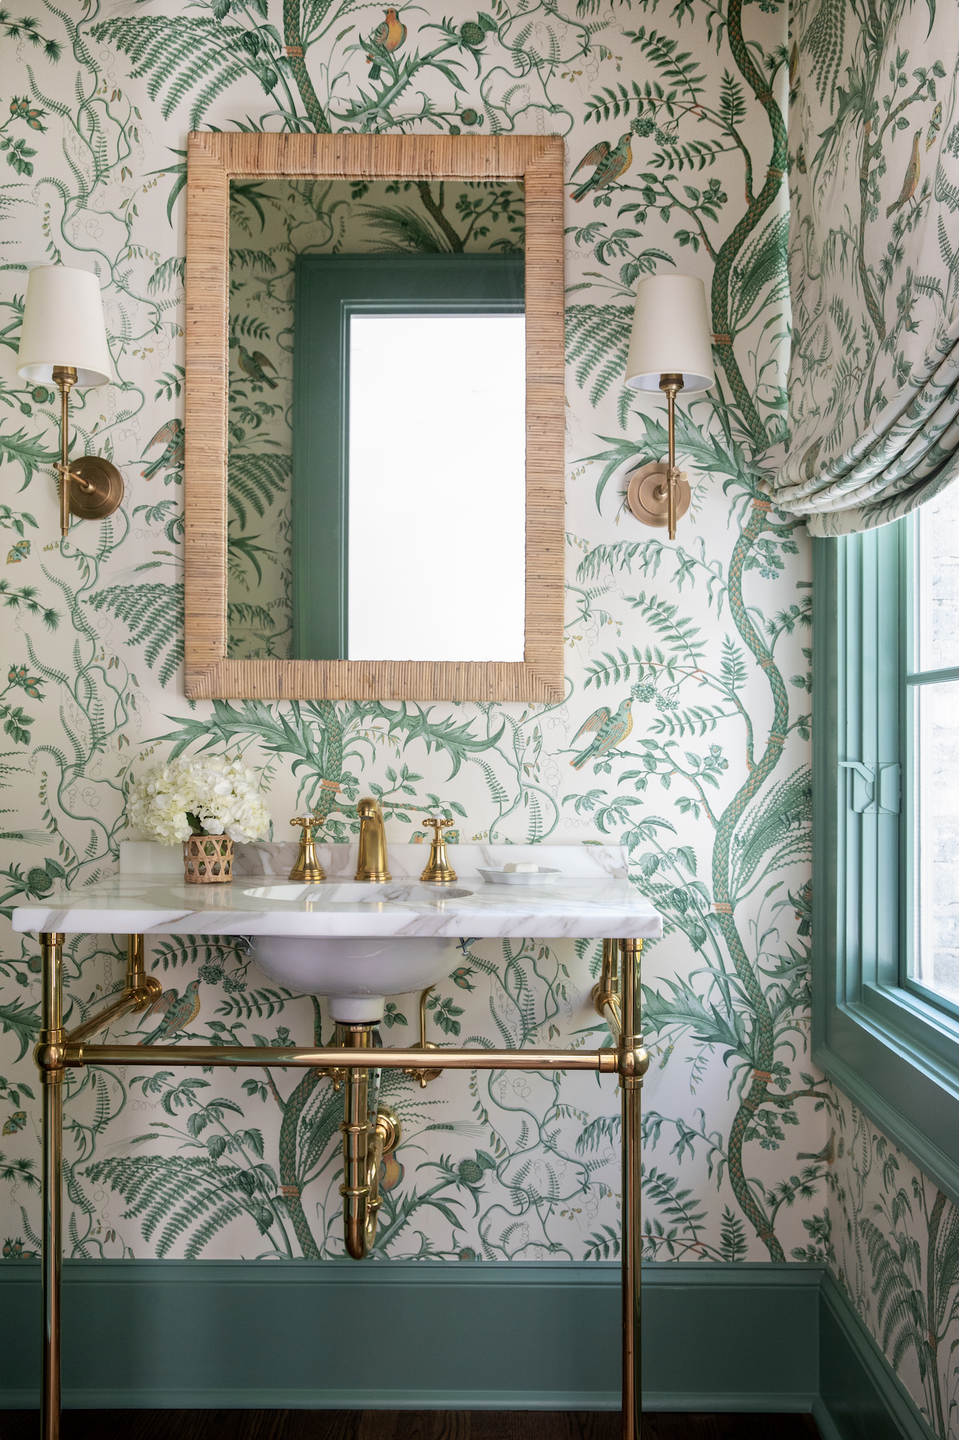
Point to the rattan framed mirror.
(214, 160)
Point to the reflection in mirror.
(282, 531)
(437, 488)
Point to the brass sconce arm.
(90, 488)
(671, 386)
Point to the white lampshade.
(63, 325)
(671, 334)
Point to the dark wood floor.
(399, 1425)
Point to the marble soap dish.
(526, 875)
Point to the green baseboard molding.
(176, 1334)
(857, 1387)
(415, 1336)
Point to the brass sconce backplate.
(647, 495)
(100, 489)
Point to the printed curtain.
(874, 262)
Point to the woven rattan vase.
(207, 859)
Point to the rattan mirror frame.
(212, 161)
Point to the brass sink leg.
(49, 1058)
(364, 1146)
(633, 1063)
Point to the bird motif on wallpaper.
(173, 436)
(911, 178)
(827, 1154)
(252, 365)
(389, 36)
(177, 1011)
(611, 730)
(609, 163)
(935, 125)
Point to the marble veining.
(593, 899)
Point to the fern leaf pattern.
(749, 1155)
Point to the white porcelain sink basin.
(357, 974)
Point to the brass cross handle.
(307, 869)
(309, 823)
(439, 827)
(438, 870)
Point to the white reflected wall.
(437, 485)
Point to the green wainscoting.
(403, 1335)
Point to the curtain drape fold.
(874, 263)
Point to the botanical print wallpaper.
(683, 734)
(874, 140)
(874, 263)
(271, 223)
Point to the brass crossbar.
(605, 1061)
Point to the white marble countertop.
(591, 899)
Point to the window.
(886, 829)
(401, 486)
(931, 967)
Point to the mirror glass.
(376, 443)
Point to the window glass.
(934, 726)
(938, 582)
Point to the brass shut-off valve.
(422, 1073)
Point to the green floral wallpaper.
(675, 121)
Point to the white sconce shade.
(671, 334)
(63, 325)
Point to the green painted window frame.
(895, 1054)
(329, 291)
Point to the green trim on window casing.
(893, 1055)
(329, 289)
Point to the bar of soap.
(522, 869)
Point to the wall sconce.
(64, 340)
(670, 349)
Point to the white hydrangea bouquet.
(206, 796)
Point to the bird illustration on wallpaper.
(611, 730)
(177, 1011)
(389, 36)
(253, 366)
(172, 436)
(610, 165)
(910, 179)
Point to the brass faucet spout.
(372, 863)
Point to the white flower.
(221, 794)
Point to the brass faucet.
(371, 862)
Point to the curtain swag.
(906, 458)
(873, 390)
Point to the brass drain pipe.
(364, 1145)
